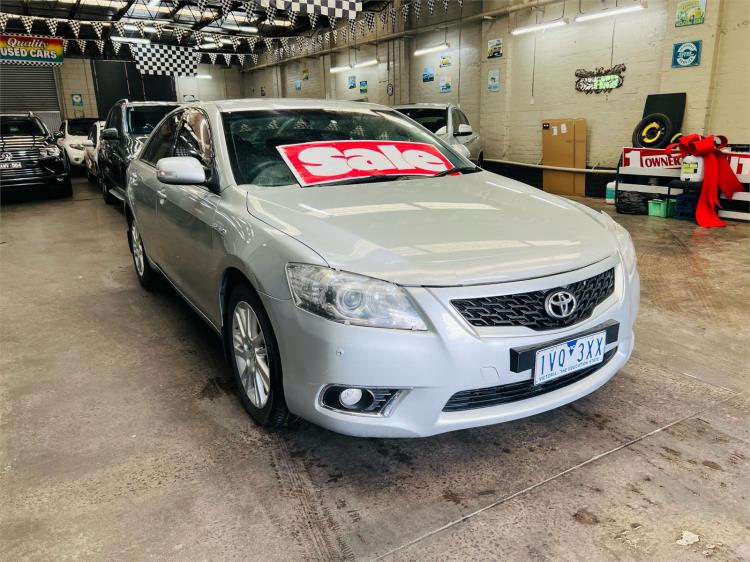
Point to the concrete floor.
(121, 437)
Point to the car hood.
(457, 230)
(74, 139)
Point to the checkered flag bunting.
(370, 19)
(268, 42)
(352, 27)
(198, 36)
(179, 33)
(405, 13)
(241, 58)
(392, 15)
(74, 26)
(81, 45)
(65, 46)
(99, 46)
(212, 57)
(292, 18)
(159, 27)
(383, 19)
(119, 27)
(235, 42)
(344, 35)
(227, 58)
(362, 28)
(254, 56)
(332, 22)
(285, 43)
(170, 60)
(226, 7)
(430, 6)
(271, 14)
(201, 6)
(116, 46)
(335, 35)
(417, 8)
(141, 27)
(97, 25)
(251, 41)
(300, 43)
(52, 25)
(28, 23)
(4, 22)
(445, 5)
(249, 8)
(217, 38)
(313, 17)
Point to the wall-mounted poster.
(445, 61)
(351, 82)
(494, 48)
(390, 90)
(298, 85)
(428, 74)
(446, 84)
(690, 12)
(305, 73)
(363, 86)
(686, 54)
(76, 100)
(493, 80)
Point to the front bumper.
(34, 179)
(432, 366)
(75, 157)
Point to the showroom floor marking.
(557, 476)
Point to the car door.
(185, 216)
(109, 151)
(144, 187)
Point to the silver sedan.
(365, 276)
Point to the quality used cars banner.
(25, 49)
(330, 161)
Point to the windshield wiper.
(457, 170)
(373, 179)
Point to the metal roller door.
(27, 88)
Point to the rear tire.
(144, 271)
(254, 355)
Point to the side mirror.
(58, 135)
(442, 130)
(110, 134)
(88, 142)
(180, 170)
(463, 130)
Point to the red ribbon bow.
(717, 174)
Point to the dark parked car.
(128, 125)
(29, 157)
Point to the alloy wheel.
(138, 252)
(251, 354)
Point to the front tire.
(255, 358)
(144, 271)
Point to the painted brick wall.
(224, 83)
(74, 77)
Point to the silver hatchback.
(365, 276)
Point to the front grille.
(494, 395)
(527, 309)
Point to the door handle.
(162, 195)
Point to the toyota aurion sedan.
(366, 277)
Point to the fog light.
(349, 397)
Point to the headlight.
(624, 243)
(77, 146)
(352, 299)
(49, 152)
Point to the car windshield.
(21, 125)
(80, 127)
(429, 117)
(143, 119)
(253, 137)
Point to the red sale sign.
(330, 161)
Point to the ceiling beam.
(122, 11)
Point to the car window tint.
(430, 118)
(162, 140)
(194, 138)
(17, 125)
(252, 137)
(143, 118)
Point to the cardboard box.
(564, 144)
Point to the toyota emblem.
(560, 304)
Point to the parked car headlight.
(49, 152)
(352, 299)
(624, 243)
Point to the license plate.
(568, 357)
(10, 165)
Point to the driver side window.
(162, 140)
(194, 138)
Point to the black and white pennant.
(227, 58)
(417, 8)
(362, 28)
(81, 45)
(249, 7)
(52, 25)
(241, 58)
(370, 19)
(212, 57)
(99, 46)
(271, 14)
(226, 7)
(254, 56)
(116, 46)
(119, 27)
(430, 6)
(313, 17)
(179, 33)
(159, 27)
(74, 26)
(4, 21)
(28, 23)
(97, 25)
(405, 13)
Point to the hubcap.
(138, 253)
(250, 354)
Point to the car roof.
(149, 103)
(424, 105)
(255, 104)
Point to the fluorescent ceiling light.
(130, 39)
(337, 69)
(131, 27)
(208, 46)
(243, 28)
(204, 77)
(363, 64)
(612, 12)
(538, 27)
(435, 49)
(153, 3)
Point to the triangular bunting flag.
(65, 46)
(201, 6)
(285, 42)
(249, 7)
(97, 25)
(332, 22)
(362, 28)
(198, 36)
(52, 25)
(370, 18)
(119, 27)
(213, 56)
(241, 58)
(74, 26)
(226, 7)
(405, 13)
(300, 42)
(235, 42)
(141, 27)
(251, 41)
(81, 45)
(445, 5)
(335, 35)
(352, 28)
(430, 6)
(383, 18)
(159, 27)
(116, 46)
(271, 14)
(100, 46)
(227, 58)
(28, 23)
(344, 35)
(4, 22)
(313, 17)
(392, 14)
(217, 38)
(292, 15)
(254, 57)
(418, 8)
(268, 42)
(179, 33)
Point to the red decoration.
(717, 174)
